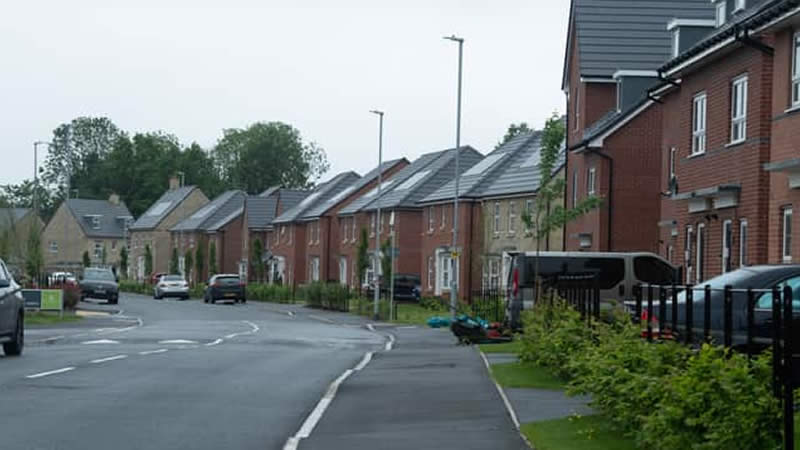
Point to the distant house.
(152, 228)
(15, 227)
(219, 223)
(99, 227)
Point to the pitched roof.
(263, 208)
(209, 217)
(162, 208)
(10, 216)
(289, 198)
(321, 194)
(430, 176)
(111, 217)
(471, 181)
(521, 174)
(630, 35)
(322, 207)
(763, 12)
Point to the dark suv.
(99, 283)
(225, 287)
(12, 313)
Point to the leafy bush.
(72, 295)
(269, 293)
(135, 287)
(333, 296)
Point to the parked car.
(407, 288)
(225, 287)
(12, 313)
(99, 283)
(171, 286)
(616, 275)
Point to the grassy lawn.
(49, 318)
(510, 347)
(525, 375)
(576, 433)
(417, 315)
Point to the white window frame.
(529, 211)
(494, 273)
(444, 218)
(738, 5)
(743, 243)
(343, 270)
(739, 88)
(314, 268)
(699, 115)
(431, 219)
(670, 253)
(591, 181)
(687, 253)
(444, 271)
(512, 217)
(98, 250)
(95, 222)
(700, 252)
(721, 13)
(672, 155)
(373, 218)
(344, 230)
(727, 228)
(574, 188)
(353, 229)
(496, 224)
(290, 235)
(431, 271)
(53, 247)
(786, 238)
(795, 94)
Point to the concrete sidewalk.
(426, 393)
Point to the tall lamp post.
(36, 174)
(377, 288)
(454, 254)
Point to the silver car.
(12, 314)
(171, 286)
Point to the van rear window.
(608, 272)
(652, 271)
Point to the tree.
(199, 261)
(513, 131)
(34, 261)
(268, 154)
(212, 259)
(362, 257)
(550, 213)
(173, 261)
(188, 263)
(148, 260)
(123, 261)
(22, 196)
(258, 255)
(87, 261)
(386, 262)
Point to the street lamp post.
(377, 288)
(454, 254)
(36, 174)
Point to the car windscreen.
(99, 275)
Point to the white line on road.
(52, 372)
(177, 341)
(371, 327)
(153, 352)
(290, 313)
(364, 362)
(211, 344)
(100, 341)
(110, 358)
(502, 393)
(253, 329)
(389, 343)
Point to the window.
(496, 227)
(512, 217)
(494, 273)
(529, 212)
(701, 249)
(687, 254)
(98, 249)
(721, 13)
(353, 229)
(590, 181)
(577, 114)
(96, 222)
(676, 42)
(652, 270)
(113, 245)
(672, 153)
(445, 270)
(431, 273)
(315, 268)
(574, 188)
(787, 234)
(431, 219)
(343, 231)
(53, 247)
(739, 109)
(699, 124)
(742, 243)
(444, 217)
(738, 5)
(796, 69)
(765, 301)
(290, 235)
(343, 270)
(372, 219)
(727, 240)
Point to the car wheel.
(14, 348)
(205, 299)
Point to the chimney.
(174, 182)
(114, 199)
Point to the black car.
(225, 287)
(99, 283)
(12, 314)
(407, 288)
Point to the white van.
(615, 274)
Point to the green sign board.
(52, 300)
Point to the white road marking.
(211, 344)
(290, 313)
(231, 336)
(371, 327)
(364, 362)
(139, 323)
(389, 343)
(110, 358)
(253, 329)
(52, 372)
(177, 341)
(153, 352)
(100, 341)
(502, 393)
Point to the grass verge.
(49, 318)
(510, 347)
(525, 375)
(576, 433)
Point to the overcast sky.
(196, 67)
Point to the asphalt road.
(175, 375)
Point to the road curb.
(506, 401)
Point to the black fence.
(488, 304)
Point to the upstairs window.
(796, 70)
(496, 227)
(53, 247)
(590, 181)
(373, 218)
(512, 217)
(431, 219)
(574, 188)
(721, 13)
(444, 218)
(787, 234)
(96, 222)
(699, 124)
(672, 153)
(529, 211)
(739, 109)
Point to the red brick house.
(399, 196)
(613, 131)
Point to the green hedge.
(333, 296)
(135, 288)
(664, 395)
(269, 293)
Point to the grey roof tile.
(162, 208)
(263, 208)
(211, 213)
(112, 218)
(320, 195)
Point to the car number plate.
(230, 295)
(99, 291)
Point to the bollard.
(776, 347)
